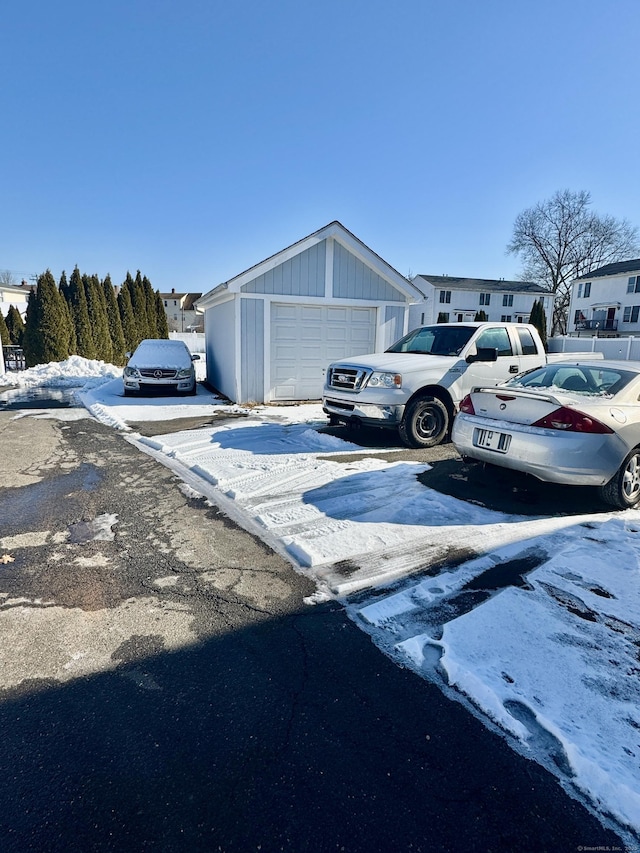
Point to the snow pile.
(75, 372)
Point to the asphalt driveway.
(166, 687)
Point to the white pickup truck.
(417, 384)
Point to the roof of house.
(333, 229)
(17, 289)
(487, 285)
(189, 299)
(613, 269)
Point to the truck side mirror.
(483, 354)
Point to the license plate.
(491, 440)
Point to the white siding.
(251, 351)
(221, 348)
(606, 292)
(467, 303)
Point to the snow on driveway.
(539, 632)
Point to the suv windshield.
(435, 340)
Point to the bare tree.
(560, 239)
(7, 278)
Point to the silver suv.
(161, 365)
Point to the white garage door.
(306, 338)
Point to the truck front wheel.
(425, 422)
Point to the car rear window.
(580, 378)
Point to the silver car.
(572, 423)
(160, 365)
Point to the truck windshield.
(435, 340)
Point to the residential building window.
(165, 303)
(506, 318)
(507, 300)
(587, 289)
(580, 291)
(630, 314)
(485, 298)
(631, 283)
(445, 296)
(443, 317)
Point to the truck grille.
(346, 378)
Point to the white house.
(272, 330)
(449, 299)
(606, 300)
(181, 312)
(16, 295)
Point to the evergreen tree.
(139, 304)
(538, 318)
(150, 302)
(162, 326)
(129, 328)
(481, 316)
(115, 324)
(15, 326)
(85, 345)
(63, 287)
(31, 340)
(97, 308)
(5, 337)
(48, 332)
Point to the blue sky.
(192, 139)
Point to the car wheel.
(425, 422)
(623, 489)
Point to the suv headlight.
(385, 380)
(185, 373)
(131, 372)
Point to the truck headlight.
(385, 380)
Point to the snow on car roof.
(161, 353)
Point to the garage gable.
(301, 275)
(353, 279)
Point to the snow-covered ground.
(551, 657)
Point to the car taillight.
(571, 421)
(466, 406)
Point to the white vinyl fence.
(193, 340)
(622, 349)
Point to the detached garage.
(272, 330)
